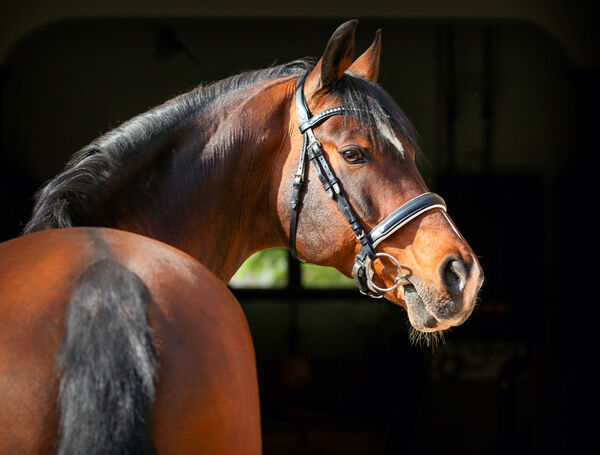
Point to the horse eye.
(353, 156)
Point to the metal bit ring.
(370, 273)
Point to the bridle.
(362, 270)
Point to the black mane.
(112, 156)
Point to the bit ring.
(370, 272)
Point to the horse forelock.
(380, 118)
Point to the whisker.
(426, 339)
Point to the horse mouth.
(429, 317)
(419, 315)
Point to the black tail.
(109, 365)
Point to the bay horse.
(117, 331)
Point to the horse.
(118, 333)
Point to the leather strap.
(308, 124)
(312, 147)
(298, 180)
(401, 216)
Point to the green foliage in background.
(317, 277)
(268, 269)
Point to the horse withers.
(121, 337)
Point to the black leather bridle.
(362, 270)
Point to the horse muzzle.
(448, 303)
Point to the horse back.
(206, 395)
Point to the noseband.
(362, 270)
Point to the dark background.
(504, 97)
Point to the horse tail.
(109, 365)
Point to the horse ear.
(336, 59)
(367, 65)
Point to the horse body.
(207, 395)
(206, 178)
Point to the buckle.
(315, 149)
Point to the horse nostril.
(454, 275)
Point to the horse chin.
(420, 316)
(425, 330)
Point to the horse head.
(362, 206)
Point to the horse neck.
(216, 196)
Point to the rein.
(311, 147)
